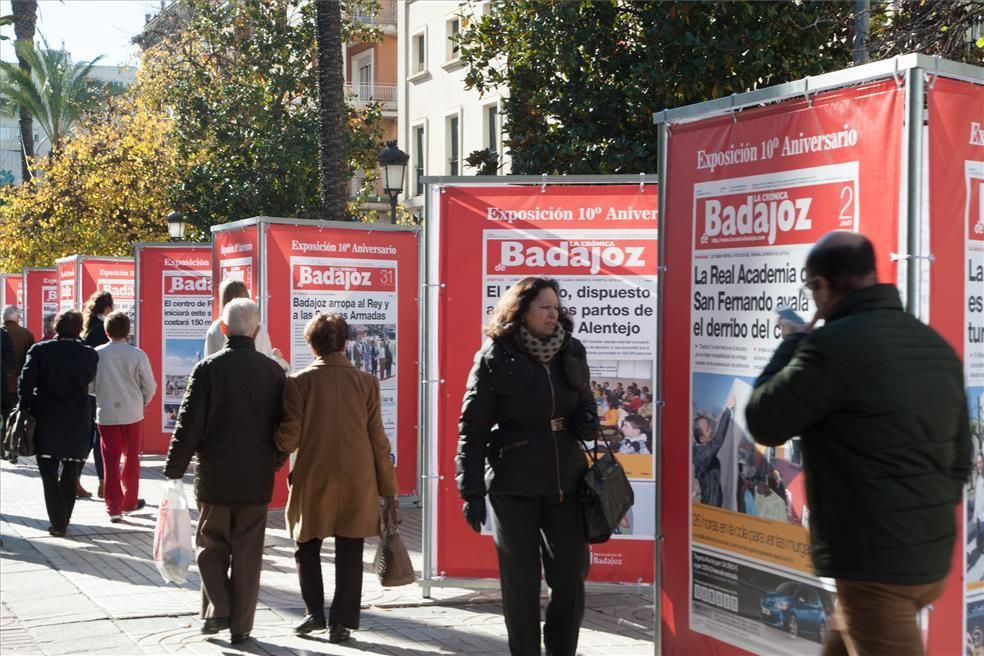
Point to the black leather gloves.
(474, 511)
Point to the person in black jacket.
(878, 399)
(530, 381)
(230, 411)
(97, 308)
(54, 388)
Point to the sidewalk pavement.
(97, 591)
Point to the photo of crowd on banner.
(730, 470)
(372, 349)
(625, 411)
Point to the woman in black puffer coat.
(527, 403)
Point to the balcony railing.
(385, 14)
(381, 93)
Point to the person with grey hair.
(228, 416)
(22, 340)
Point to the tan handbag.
(392, 563)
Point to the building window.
(419, 63)
(453, 29)
(453, 145)
(418, 159)
(362, 76)
(492, 128)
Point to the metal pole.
(392, 207)
(664, 134)
(862, 15)
(914, 100)
(423, 435)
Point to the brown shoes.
(81, 492)
(99, 492)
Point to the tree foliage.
(240, 82)
(584, 77)
(100, 195)
(938, 27)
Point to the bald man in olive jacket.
(878, 398)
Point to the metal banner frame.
(917, 72)
(431, 376)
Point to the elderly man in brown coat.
(332, 419)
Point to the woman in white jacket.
(215, 339)
(123, 386)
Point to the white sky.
(88, 28)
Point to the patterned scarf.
(543, 349)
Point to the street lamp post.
(393, 162)
(176, 225)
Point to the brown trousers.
(877, 618)
(231, 535)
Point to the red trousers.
(121, 441)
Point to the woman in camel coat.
(332, 419)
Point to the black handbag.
(19, 439)
(606, 495)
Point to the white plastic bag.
(173, 549)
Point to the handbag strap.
(591, 454)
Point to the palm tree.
(25, 16)
(331, 111)
(56, 91)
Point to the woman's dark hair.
(230, 290)
(117, 325)
(509, 311)
(68, 324)
(326, 333)
(97, 304)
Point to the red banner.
(600, 243)
(956, 216)
(746, 199)
(40, 298)
(369, 277)
(68, 283)
(12, 291)
(174, 285)
(236, 257)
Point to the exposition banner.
(956, 206)
(601, 244)
(236, 253)
(370, 277)
(67, 269)
(113, 275)
(79, 276)
(40, 298)
(12, 291)
(747, 198)
(174, 285)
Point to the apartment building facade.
(441, 123)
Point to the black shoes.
(213, 625)
(238, 638)
(56, 532)
(338, 634)
(311, 623)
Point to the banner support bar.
(661, 183)
(914, 102)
